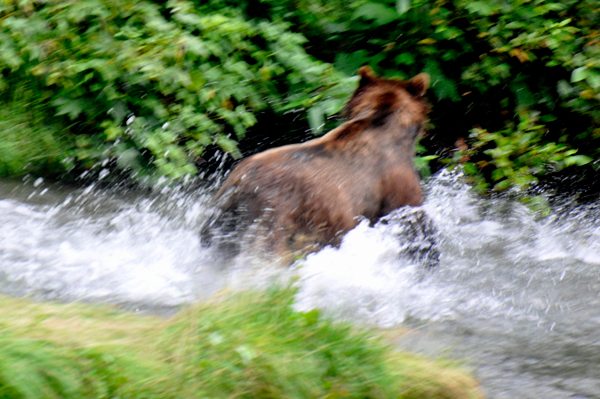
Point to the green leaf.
(470, 168)
(524, 96)
(229, 146)
(129, 159)
(113, 132)
(564, 88)
(68, 106)
(578, 160)
(442, 86)
(381, 14)
(498, 174)
(448, 32)
(502, 185)
(570, 152)
(349, 63)
(316, 119)
(405, 59)
(402, 6)
(479, 7)
(593, 79)
(579, 74)
(311, 317)
(332, 106)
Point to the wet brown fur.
(308, 195)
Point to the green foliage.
(517, 156)
(141, 85)
(27, 144)
(422, 162)
(489, 61)
(31, 370)
(248, 345)
(263, 354)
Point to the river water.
(516, 297)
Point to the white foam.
(497, 257)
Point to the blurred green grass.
(242, 345)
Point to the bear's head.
(377, 98)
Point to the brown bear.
(298, 198)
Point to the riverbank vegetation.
(134, 88)
(248, 345)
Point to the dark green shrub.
(110, 75)
(490, 62)
(28, 143)
(515, 157)
(140, 85)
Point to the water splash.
(89, 244)
(516, 293)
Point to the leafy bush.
(27, 144)
(147, 85)
(248, 345)
(140, 85)
(490, 62)
(516, 157)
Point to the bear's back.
(320, 189)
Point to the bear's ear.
(418, 85)
(366, 76)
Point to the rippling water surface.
(516, 296)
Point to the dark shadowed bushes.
(140, 86)
(145, 86)
(501, 67)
